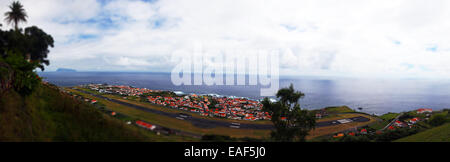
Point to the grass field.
(339, 109)
(379, 125)
(389, 116)
(437, 134)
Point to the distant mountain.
(66, 70)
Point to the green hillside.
(437, 134)
(49, 115)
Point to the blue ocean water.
(375, 96)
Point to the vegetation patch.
(50, 115)
(437, 134)
(339, 109)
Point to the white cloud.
(125, 61)
(325, 37)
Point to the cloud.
(125, 61)
(326, 37)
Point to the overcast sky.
(385, 38)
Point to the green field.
(379, 125)
(389, 116)
(339, 109)
(437, 134)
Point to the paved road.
(392, 122)
(206, 123)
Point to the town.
(205, 105)
(365, 127)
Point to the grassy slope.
(437, 134)
(339, 109)
(49, 115)
(389, 116)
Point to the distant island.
(66, 70)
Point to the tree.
(291, 122)
(24, 78)
(38, 43)
(34, 44)
(16, 47)
(16, 15)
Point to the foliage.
(16, 14)
(392, 135)
(49, 115)
(436, 134)
(25, 79)
(34, 43)
(438, 119)
(348, 138)
(213, 103)
(162, 93)
(23, 52)
(297, 122)
(38, 43)
(406, 116)
(389, 116)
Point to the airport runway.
(207, 123)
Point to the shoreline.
(309, 102)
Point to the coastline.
(374, 96)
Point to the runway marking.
(233, 126)
(343, 121)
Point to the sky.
(359, 38)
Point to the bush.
(438, 119)
(392, 135)
(25, 80)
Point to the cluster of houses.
(120, 90)
(224, 107)
(232, 108)
(422, 111)
(409, 123)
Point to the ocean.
(375, 96)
